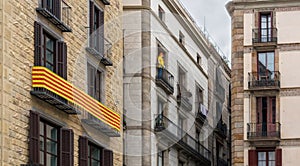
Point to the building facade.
(61, 87)
(168, 88)
(265, 88)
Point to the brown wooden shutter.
(278, 157)
(34, 133)
(38, 38)
(101, 32)
(252, 157)
(83, 151)
(67, 147)
(107, 158)
(98, 85)
(91, 17)
(57, 8)
(61, 62)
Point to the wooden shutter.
(107, 158)
(57, 8)
(252, 158)
(34, 134)
(67, 147)
(61, 60)
(83, 151)
(91, 17)
(91, 80)
(98, 85)
(101, 32)
(278, 159)
(38, 38)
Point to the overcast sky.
(212, 14)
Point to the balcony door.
(266, 116)
(265, 28)
(266, 65)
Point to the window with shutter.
(53, 6)
(49, 51)
(34, 133)
(67, 149)
(278, 157)
(83, 151)
(94, 82)
(252, 158)
(107, 157)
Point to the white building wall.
(289, 67)
(248, 26)
(288, 25)
(290, 155)
(247, 68)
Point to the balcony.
(265, 80)
(59, 15)
(184, 98)
(100, 47)
(221, 129)
(201, 113)
(56, 91)
(165, 80)
(264, 37)
(263, 131)
(169, 131)
(221, 162)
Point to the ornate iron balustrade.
(55, 90)
(264, 35)
(165, 80)
(263, 130)
(59, 15)
(270, 79)
(191, 145)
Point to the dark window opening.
(161, 14)
(94, 82)
(265, 27)
(96, 28)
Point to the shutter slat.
(83, 151)
(278, 157)
(252, 157)
(61, 62)
(38, 33)
(67, 147)
(34, 133)
(107, 158)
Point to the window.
(266, 65)
(266, 158)
(49, 144)
(266, 115)
(180, 163)
(92, 154)
(181, 126)
(49, 51)
(182, 79)
(199, 60)
(160, 106)
(94, 82)
(162, 49)
(199, 99)
(181, 38)
(265, 27)
(96, 29)
(160, 158)
(161, 14)
(53, 6)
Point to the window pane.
(51, 160)
(261, 156)
(271, 163)
(41, 157)
(95, 153)
(41, 128)
(51, 133)
(52, 147)
(42, 143)
(272, 156)
(49, 57)
(49, 44)
(95, 163)
(262, 163)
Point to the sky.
(212, 15)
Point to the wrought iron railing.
(264, 79)
(221, 162)
(165, 80)
(221, 128)
(58, 14)
(163, 124)
(263, 130)
(201, 113)
(264, 35)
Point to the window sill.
(104, 60)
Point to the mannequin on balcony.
(161, 64)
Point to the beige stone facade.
(265, 42)
(16, 63)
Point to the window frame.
(92, 86)
(266, 151)
(160, 157)
(161, 13)
(181, 38)
(268, 28)
(56, 7)
(265, 54)
(90, 158)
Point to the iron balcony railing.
(57, 13)
(165, 80)
(221, 128)
(184, 98)
(268, 79)
(163, 124)
(201, 113)
(264, 35)
(263, 130)
(221, 162)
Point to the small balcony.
(221, 162)
(201, 113)
(221, 129)
(263, 131)
(57, 14)
(265, 80)
(184, 98)
(53, 89)
(100, 47)
(172, 133)
(264, 37)
(165, 80)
